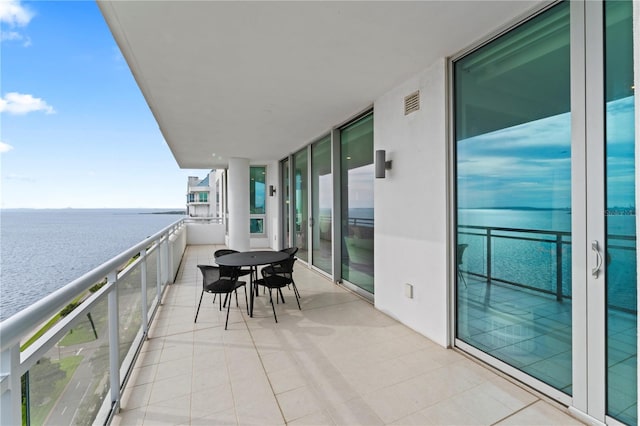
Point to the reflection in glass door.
(322, 203)
(301, 206)
(620, 214)
(357, 176)
(513, 182)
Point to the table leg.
(251, 285)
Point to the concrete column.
(238, 192)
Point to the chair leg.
(295, 289)
(281, 295)
(198, 310)
(246, 301)
(462, 277)
(272, 305)
(296, 295)
(236, 292)
(228, 308)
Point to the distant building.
(201, 196)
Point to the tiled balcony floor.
(337, 362)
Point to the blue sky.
(75, 129)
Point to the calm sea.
(42, 250)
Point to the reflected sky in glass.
(521, 166)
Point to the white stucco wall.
(411, 205)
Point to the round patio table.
(252, 259)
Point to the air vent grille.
(412, 103)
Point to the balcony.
(337, 361)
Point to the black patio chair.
(221, 280)
(273, 269)
(276, 280)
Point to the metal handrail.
(20, 325)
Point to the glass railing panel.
(129, 309)
(69, 383)
(152, 280)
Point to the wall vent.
(412, 102)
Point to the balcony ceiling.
(261, 79)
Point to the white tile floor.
(338, 361)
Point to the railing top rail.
(541, 231)
(19, 325)
(529, 231)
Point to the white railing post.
(165, 261)
(170, 257)
(11, 401)
(159, 275)
(161, 260)
(114, 341)
(143, 296)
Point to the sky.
(75, 130)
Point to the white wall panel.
(411, 205)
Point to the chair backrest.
(211, 274)
(461, 249)
(222, 252)
(284, 267)
(291, 251)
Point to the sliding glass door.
(513, 140)
(357, 177)
(545, 225)
(322, 205)
(620, 215)
(286, 215)
(301, 203)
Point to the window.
(257, 193)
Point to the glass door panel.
(620, 215)
(357, 173)
(513, 181)
(322, 203)
(301, 199)
(257, 199)
(286, 235)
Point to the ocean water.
(42, 250)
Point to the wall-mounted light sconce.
(382, 165)
(272, 190)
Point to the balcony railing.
(539, 260)
(74, 372)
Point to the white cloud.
(15, 36)
(18, 103)
(10, 35)
(14, 14)
(20, 178)
(5, 147)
